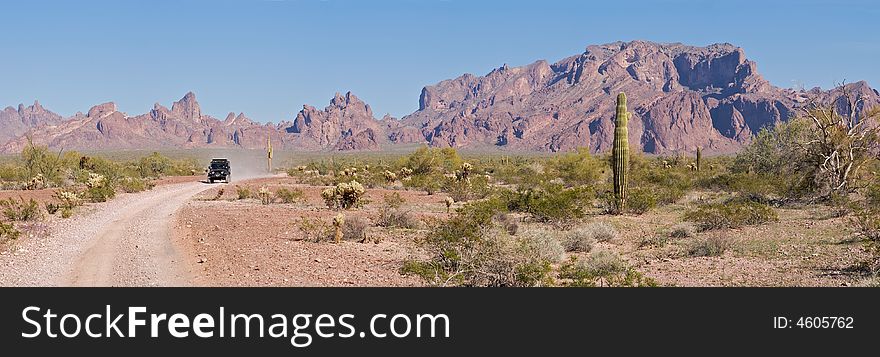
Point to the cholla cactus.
(406, 172)
(68, 199)
(449, 202)
(96, 180)
(36, 182)
(345, 195)
(349, 194)
(390, 177)
(301, 168)
(265, 195)
(338, 221)
(329, 196)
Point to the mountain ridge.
(682, 97)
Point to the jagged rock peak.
(187, 107)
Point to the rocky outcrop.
(682, 97)
(346, 124)
(16, 122)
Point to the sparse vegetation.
(287, 195)
(732, 213)
(8, 231)
(21, 209)
(243, 192)
(709, 247)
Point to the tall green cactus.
(620, 152)
(699, 158)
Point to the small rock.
(202, 260)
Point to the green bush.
(38, 161)
(427, 161)
(286, 195)
(425, 182)
(578, 168)
(8, 231)
(470, 249)
(602, 269)
(132, 184)
(551, 203)
(730, 214)
(243, 192)
(641, 200)
(21, 210)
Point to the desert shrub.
(132, 184)
(466, 189)
(507, 222)
(469, 249)
(602, 268)
(661, 185)
(153, 165)
(544, 243)
(8, 231)
(99, 188)
(730, 214)
(640, 200)
(355, 228)
(655, 240)
(428, 183)
(426, 161)
(551, 203)
(682, 230)
(391, 213)
(314, 230)
(577, 168)
(286, 195)
(243, 192)
(345, 195)
(579, 240)
(38, 161)
(52, 207)
(709, 247)
(872, 193)
(21, 209)
(600, 231)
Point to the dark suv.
(219, 170)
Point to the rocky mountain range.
(681, 97)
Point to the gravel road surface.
(123, 242)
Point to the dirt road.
(124, 242)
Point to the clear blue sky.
(268, 57)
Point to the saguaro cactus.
(699, 158)
(620, 152)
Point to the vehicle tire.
(210, 180)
